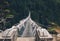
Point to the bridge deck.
(25, 39)
(31, 39)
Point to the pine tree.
(4, 14)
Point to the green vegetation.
(42, 11)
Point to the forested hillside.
(42, 11)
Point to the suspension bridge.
(26, 29)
